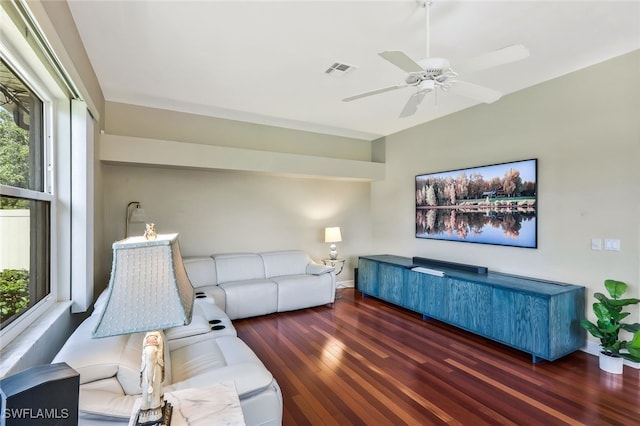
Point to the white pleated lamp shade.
(149, 288)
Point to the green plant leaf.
(635, 342)
(623, 302)
(631, 328)
(592, 329)
(604, 314)
(632, 355)
(633, 348)
(615, 288)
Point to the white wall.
(583, 128)
(15, 227)
(218, 211)
(228, 211)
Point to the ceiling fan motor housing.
(435, 69)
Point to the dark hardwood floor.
(365, 362)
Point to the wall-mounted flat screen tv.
(495, 204)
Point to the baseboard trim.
(593, 348)
(345, 284)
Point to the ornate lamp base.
(333, 254)
(165, 420)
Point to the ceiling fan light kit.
(433, 74)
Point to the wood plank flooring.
(365, 362)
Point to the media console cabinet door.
(414, 292)
(521, 320)
(368, 277)
(470, 306)
(426, 294)
(391, 283)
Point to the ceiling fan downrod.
(427, 6)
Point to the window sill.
(20, 350)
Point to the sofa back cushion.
(108, 357)
(201, 271)
(289, 262)
(238, 267)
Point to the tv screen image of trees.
(495, 204)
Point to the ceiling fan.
(436, 74)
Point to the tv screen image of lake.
(491, 227)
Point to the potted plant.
(609, 311)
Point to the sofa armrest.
(318, 269)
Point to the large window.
(25, 201)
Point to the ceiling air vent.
(338, 69)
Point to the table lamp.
(149, 290)
(332, 235)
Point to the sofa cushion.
(224, 359)
(289, 262)
(250, 298)
(196, 359)
(104, 398)
(303, 291)
(107, 357)
(201, 271)
(93, 359)
(238, 267)
(104, 405)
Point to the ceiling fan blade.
(473, 91)
(493, 59)
(401, 60)
(411, 107)
(374, 92)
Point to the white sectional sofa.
(251, 284)
(207, 350)
(196, 356)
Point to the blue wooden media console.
(536, 316)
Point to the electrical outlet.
(611, 244)
(596, 244)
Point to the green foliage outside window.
(14, 292)
(14, 159)
(14, 171)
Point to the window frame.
(24, 62)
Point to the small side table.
(214, 405)
(338, 264)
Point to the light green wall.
(584, 129)
(218, 211)
(154, 123)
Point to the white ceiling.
(265, 61)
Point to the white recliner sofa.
(251, 284)
(205, 352)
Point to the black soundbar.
(423, 261)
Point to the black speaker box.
(45, 395)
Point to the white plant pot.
(611, 364)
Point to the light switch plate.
(596, 244)
(611, 244)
